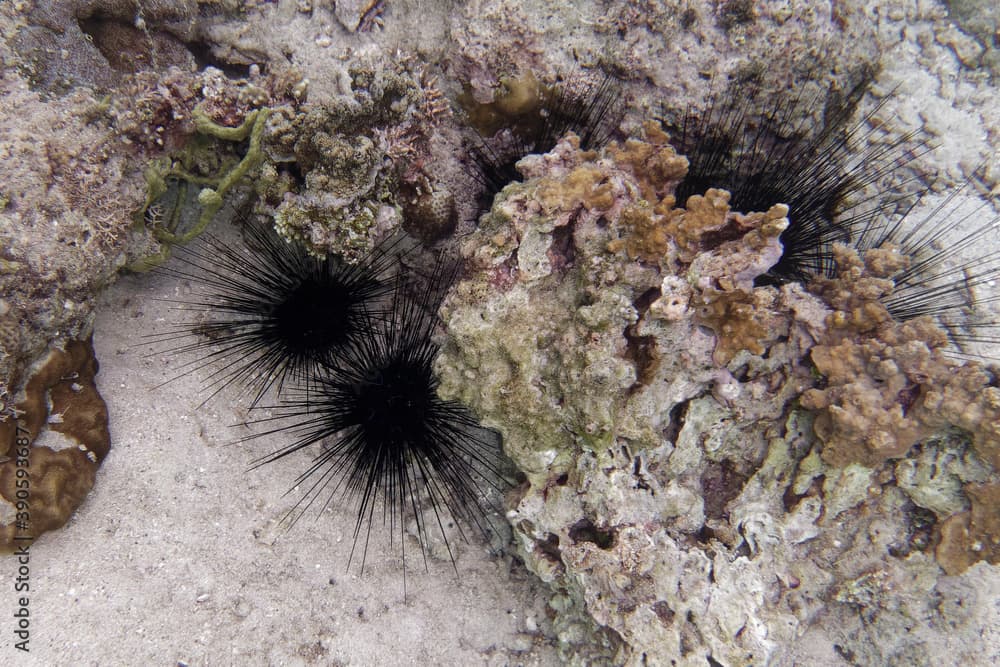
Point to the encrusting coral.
(974, 535)
(60, 397)
(891, 384)
(663, 408)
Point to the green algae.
(204, 164)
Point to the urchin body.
(271, 314)
(390, 441)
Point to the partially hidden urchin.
(529, 117)
(833, 180)
(773, 155)
(950, 266)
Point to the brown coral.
(890, 384)
(585, 185)
(752, 249)
(646, 237)
(864, 412)
(653, 162)
(861, 282)
(741, 320)
(61, 397)
(969, 537)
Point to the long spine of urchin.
(267, 313)
(392, 445)
(953, 270)
(773, 158)
(833, 181)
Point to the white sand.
(176, 556)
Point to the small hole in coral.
(585, 531)
(203, 55)
(550, 547)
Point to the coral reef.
(887, 390)
(715, 471)
(890, 385)
(663, 409)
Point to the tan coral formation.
(972, 536)
(60, 397)
(666, 410)
(890, 385)
(652, 161)
(741, 320)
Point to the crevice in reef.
(550, 547)
(677, 416)
(205, 57)
(124, 47)
(584, 530)
(642, 350)
(562, 251)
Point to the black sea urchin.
(270, 313)
(767, 158)
(390, 443)
(531, 118)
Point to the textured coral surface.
(676, 495)
(60, 399)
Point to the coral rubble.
(359, 161)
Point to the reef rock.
(689, 493)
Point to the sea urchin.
(269, 312)
(389, 440)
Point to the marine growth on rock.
(697, 447)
